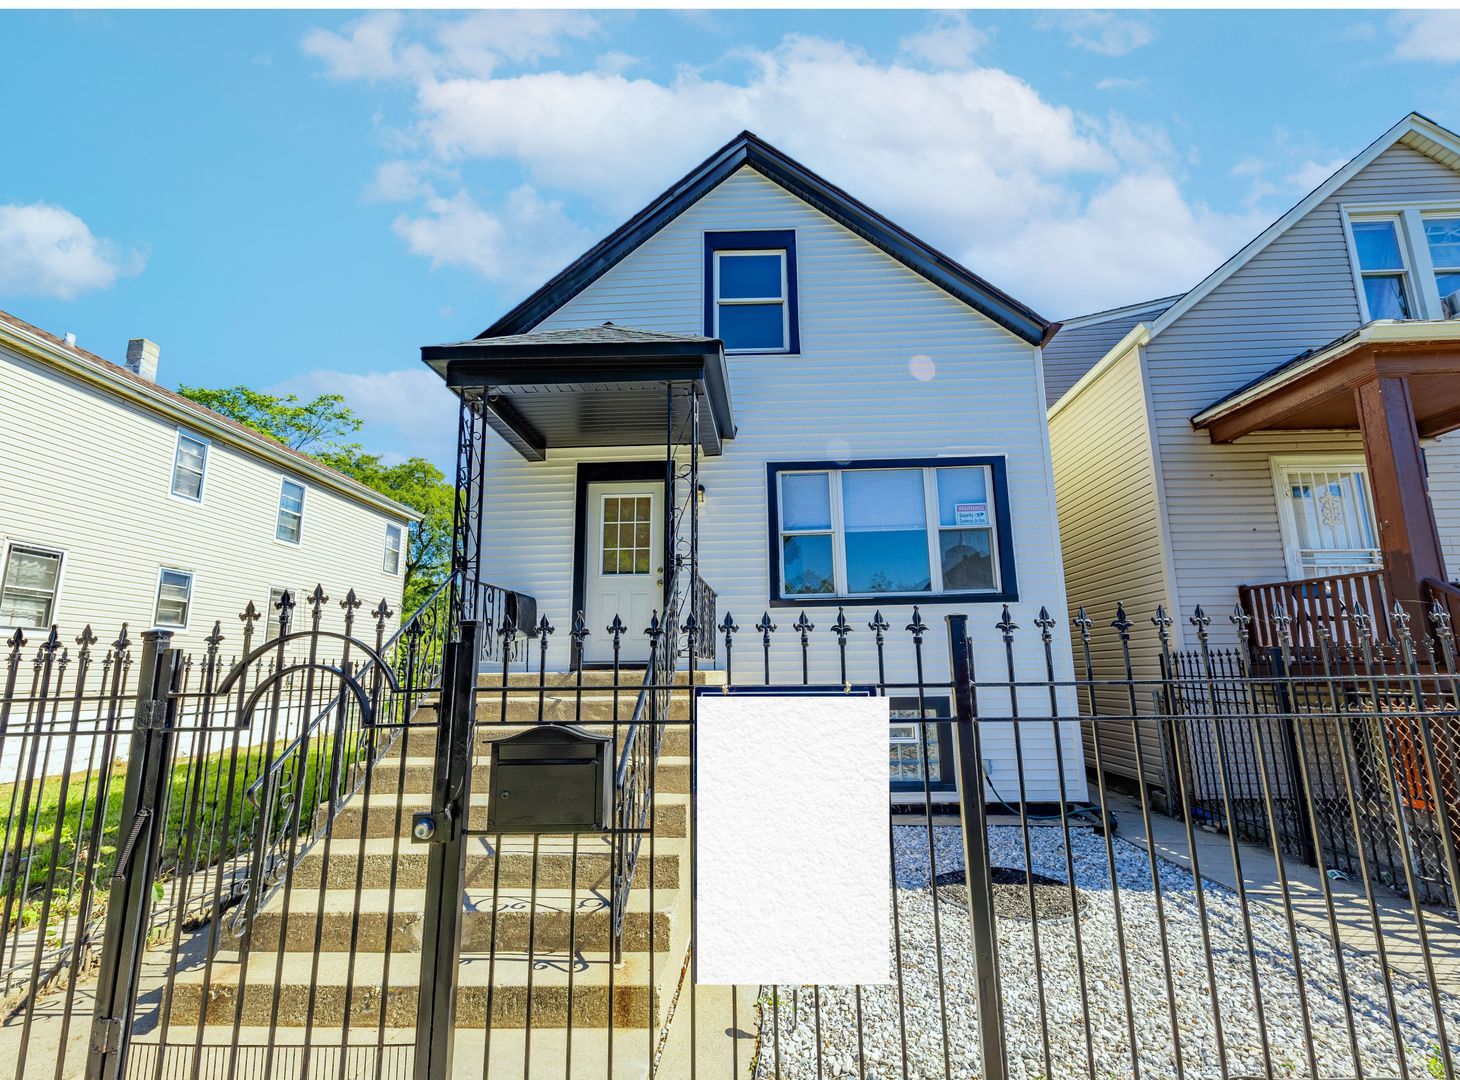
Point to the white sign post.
(792, 876)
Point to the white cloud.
(49, 251)
(1310, 174)
(1066, 210)
(526, 241)
(1427, 35)
(1105, 32)
(409, 412)
(1116, 82)
(949, 41)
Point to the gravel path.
(794, 1037)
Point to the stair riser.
(550, 933)
(671, 778)
(669, 821)
(554, 870)
(509, 1006)
(594, 678)
(421, 741)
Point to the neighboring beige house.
(1270, 429)
(122, 502)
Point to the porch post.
(1408, 536)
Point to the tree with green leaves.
(320, 428)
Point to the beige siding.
(1110, 526)
(1296, 294)
(86, 473)
(852, 394)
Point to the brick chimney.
(142, 358)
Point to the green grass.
(195, 833)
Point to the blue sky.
(302, 200)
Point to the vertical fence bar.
(989, 1001)
(444, 827)
(130, 903)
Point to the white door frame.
(647, 589)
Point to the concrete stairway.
(344, 948)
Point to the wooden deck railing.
(1447, 595)
(1315, 602)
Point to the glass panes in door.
(626, 534)
(1330, 520)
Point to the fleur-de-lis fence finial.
(917, 627)
(1046, 622)
(1006, 625)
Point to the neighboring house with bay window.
(123, 502)
(1284, 434)
(873, 440)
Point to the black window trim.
(756, 240)
(1008, 591)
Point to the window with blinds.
(875, 531)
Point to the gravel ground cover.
(813, 1032)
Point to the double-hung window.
(1408, 261)
(289, 525)
(393, 540)
(935, 527)
(174, 597)
(189, 462)
(28, 591)
(750, 291)
(1382, 268)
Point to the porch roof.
(1315, 390)
(595, 386)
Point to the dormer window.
(750, 291)
(1407, 260)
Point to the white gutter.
(199, 418)
(1388, 332)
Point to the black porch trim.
(747, 149)
(1008, 591)
(598, 472)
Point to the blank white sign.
(792, 870)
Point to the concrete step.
(385, 815)
(386, 862)
(413, 776)
(550, 922)
(312, 988)
(419, 740)
(597, 706)
(592, 677)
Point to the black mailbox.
(555, 778)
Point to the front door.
(624, 566)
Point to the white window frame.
(44, 549)
(932, 526)
(207, 446)
(157, 598)
(1419, 270)
(279, 511)
(400, 548)
(1281, 465)
(271, 613)
(784, 299)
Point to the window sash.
(175, 596)
(289, 525)
(780, 301)
(11, 589)
(392, 549)
(1423, 281)
(189, 467)
(932, 527)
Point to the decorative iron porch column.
(1408, 535)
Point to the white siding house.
(121, 502)
(1203, 517)
(885, 367)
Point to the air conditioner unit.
(1451, 305)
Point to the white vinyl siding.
(1110, 526)
(1298, 293)
(882, 354)
(118, 525)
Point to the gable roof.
(1415, 130)
(36, 344)
(747, 149)
(1084, 341)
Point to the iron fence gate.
(300, 858)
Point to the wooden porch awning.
(597, 386)
(1316, 390)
